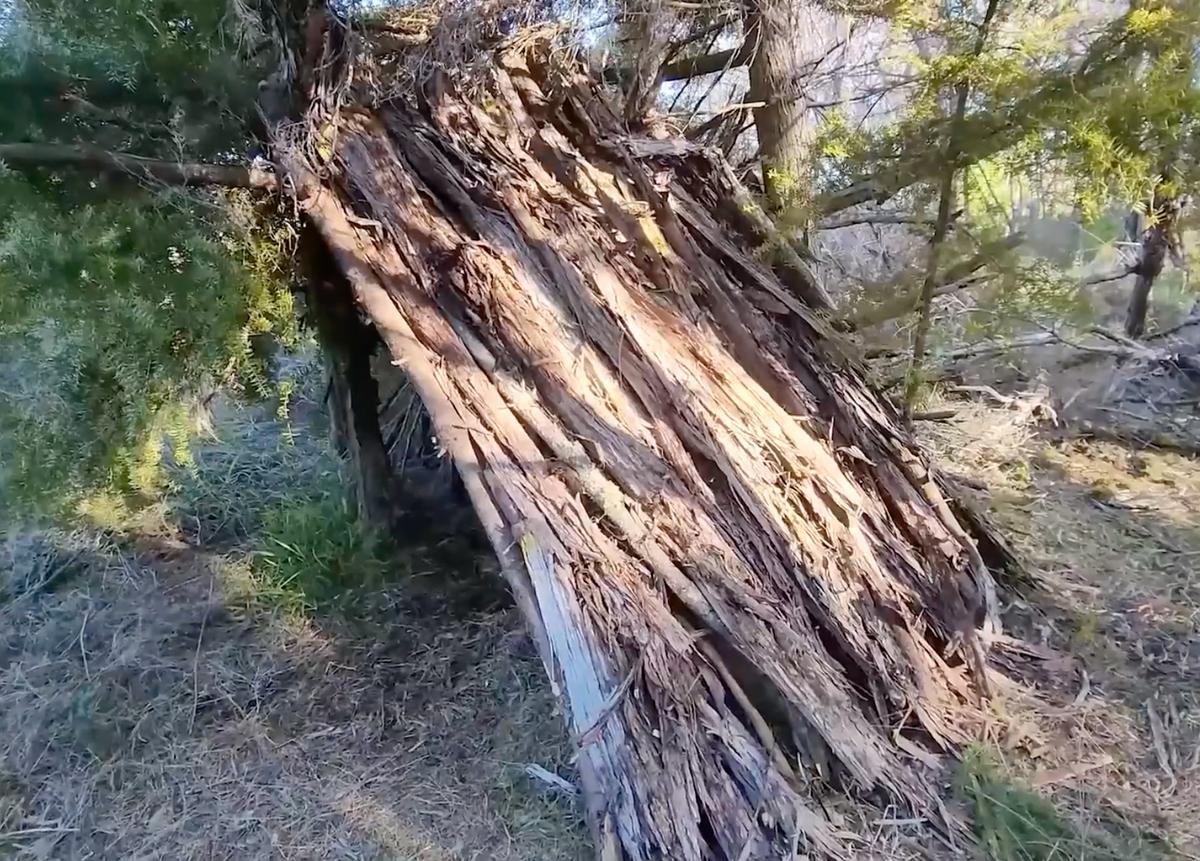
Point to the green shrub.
(1016, 824)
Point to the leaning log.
(740, 573)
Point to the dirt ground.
(153, 713)
(154, 705)
(1113, 533)
(156, 701)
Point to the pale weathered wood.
(737, 568)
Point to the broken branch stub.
(739, 572)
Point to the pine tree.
(129, 285)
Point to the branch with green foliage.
(124, 298)
(1103, 95)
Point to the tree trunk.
(941, 226)
(1156, 242)
(740, 574)
(787, 41)
(787, 44)
(353, 400)
(1149, 267)
(645, 31)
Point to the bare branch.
(955, 278)
(875, 218)
(1111, 276)
(934, 415)
(139, 167)
(707, 64)
(713, 123)
(1193, 320)
(981, 350)
(1081, 428)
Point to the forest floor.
(1113, 534)
(189, 683)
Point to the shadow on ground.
(163, 695)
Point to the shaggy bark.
(738, 570)
(1157, 241)
(353, 394)
(785, 38)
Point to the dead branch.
(876, 218)
(955, 278)
(707, 64)
(1171, 330)
(136, 166)
(1084, 429)
(1104, 279)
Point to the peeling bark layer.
(739, 572)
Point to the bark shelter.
(742, 577)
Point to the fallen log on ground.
(742, 577)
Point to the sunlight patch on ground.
(1115, 536)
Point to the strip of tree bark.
(739, 572)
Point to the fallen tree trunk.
(741, 576)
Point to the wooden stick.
(138, 167)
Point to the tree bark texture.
(788, 43)
(741, 575)
(1157, 241)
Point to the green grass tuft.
(313, 550)
(1015, 824)
(278, 503)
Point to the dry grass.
(1113, 735)
(143, 716)
(161, 700)
(156, 701)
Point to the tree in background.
(1083, 108)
